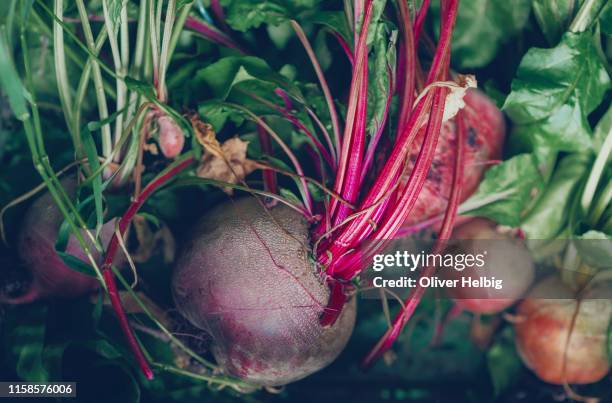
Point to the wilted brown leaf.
(454, 100)
(148, 241)
(225, 162)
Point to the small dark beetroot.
(49, 276)
(170, 136)
(247, 278)
(544, 324)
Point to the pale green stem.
(135, 101)
(82, 91)
(163, 58)
(154, 38)
(119, 70)
(178, 28)
(61, 73)
(40, 160)
(97, 78)
(598, 167)
(586, 15)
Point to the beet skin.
(485, 132)
(247, 278)
(544, 324)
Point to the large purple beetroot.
(248, 279)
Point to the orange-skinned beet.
(247, 278)
(542, 329)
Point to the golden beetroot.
(562, 339)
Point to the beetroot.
(543, 327)
(506, 258)
(50, 276)
(248, 279)
(170, 137)
(484, 140)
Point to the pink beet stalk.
(212, 34)
(269, 176)
(420, 20)
(388, 203)
(445, 232)
(361, 227)
(112, 250)
(351, 154)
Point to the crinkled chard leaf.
(518, 179)
(381, 75)
(483, 26)
(549, 216)
(555, 90)
(243, 15)
(554, 16)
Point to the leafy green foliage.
(221, 76)
(381, 75)
(554, 16)
(602, 129)
(549, 216)
(595, 248)
(243, 15)
(334, 20)
(555, 90)
(503, 361)
(482, 27)
(605, 19)
(24, 341)
(11, 84)
(181, 3)
(517, 177)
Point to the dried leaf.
(454, 101)
(151, 148)
(148, 241)
(225, 162)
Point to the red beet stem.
(397, 213)
(269, 176)
(112, 250)
(351, 153)
(361, 228)
(369, 157)
(345, 47)
(219, 15)
(212, 34)
(337, 299)
(407, 61)
(447, 226)
(420, 20)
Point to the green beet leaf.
(550, 214)
(555, 90)
(483, 26)
(518, 179)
